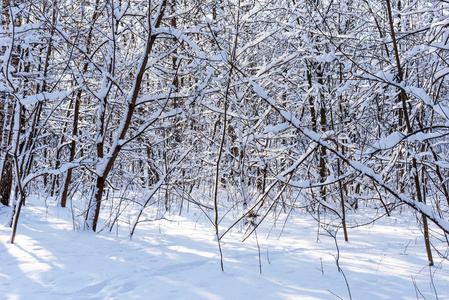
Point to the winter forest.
(253, 121)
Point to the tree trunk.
(6, 180)
(108, 161)
(402, 96)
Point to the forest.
(122, 111)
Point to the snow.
(119, 12)
(277, 128)
(179, 35)
(222, 56)
(442, 164)
(326, 58)
(341, 89)
(421, 136)
(366, 170)
(45, 96)
(439, 108)
(176, 257)
(441, 73)
(260, 91)
(387, 76)
(278, 62)
(420, 93)
(389, 141)
(255, 41)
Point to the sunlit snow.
(177, 258)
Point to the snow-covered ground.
(177, 258)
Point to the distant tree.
(10, 64)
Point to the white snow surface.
(177, 258)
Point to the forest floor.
(177, 258)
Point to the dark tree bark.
(6, 170)
(94, 210)
(6, 180)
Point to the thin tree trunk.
(403, 99)
(21, 195)
(94, 210)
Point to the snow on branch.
(45, 97)
(358, 166)
(180, 36)
(59, 171)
